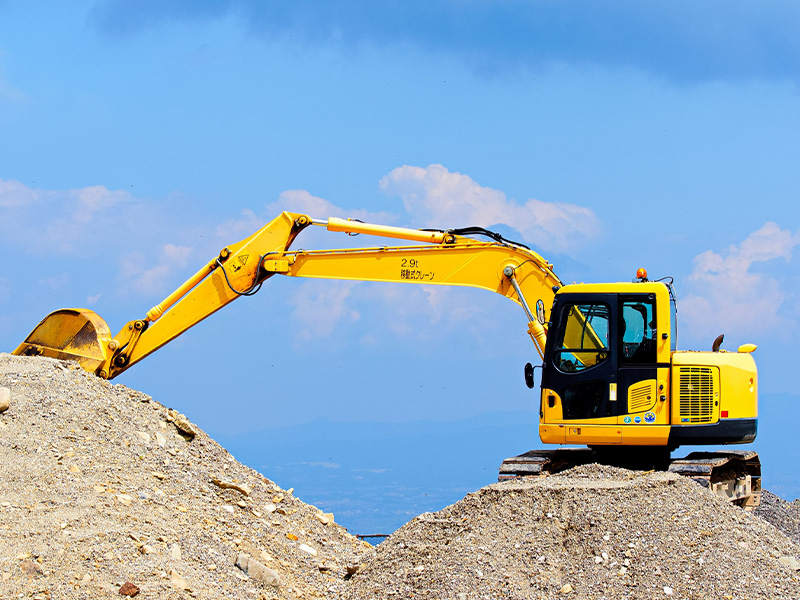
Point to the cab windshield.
(583, 337)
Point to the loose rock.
(257, 571)
(5, 399)
(128, 589)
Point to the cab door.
(638, 374)
(579, 381)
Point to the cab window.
(583, 337)
(638, 331)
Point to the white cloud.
(66, 219)
(435, 197)
(731, 296)
(234, 230)
(96, 198)
(320, 305)
(13, 194)
(301, 201)
(140, 278)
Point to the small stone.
(308, 549)
(668, 590)
(177, 581)
(175, 551)
(567, 589)
(31, 568)
(143, 436)
(183, 424)
(230, 485)
(790, 561)
(5, 399)
(161, 440)
(128, 589)
(256, 570)
(325, 518)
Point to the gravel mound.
(591, 532)
(106, 492)
(782, 514)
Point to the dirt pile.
(592, 532)
(105, 492)
(782, 514)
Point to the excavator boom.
(437, 258)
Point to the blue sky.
(139, 138)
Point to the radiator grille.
(641, 396)
(696, 394)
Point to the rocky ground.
(782, 514)
(105, 493)
(592, 532)
(102, 487)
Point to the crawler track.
(734, 475)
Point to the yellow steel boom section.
(442, 258)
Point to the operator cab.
(607, 351)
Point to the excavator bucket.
(70, 334)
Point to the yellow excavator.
(612, 379)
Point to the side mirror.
(540, 311)
(529, 375)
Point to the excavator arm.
(452, 257)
